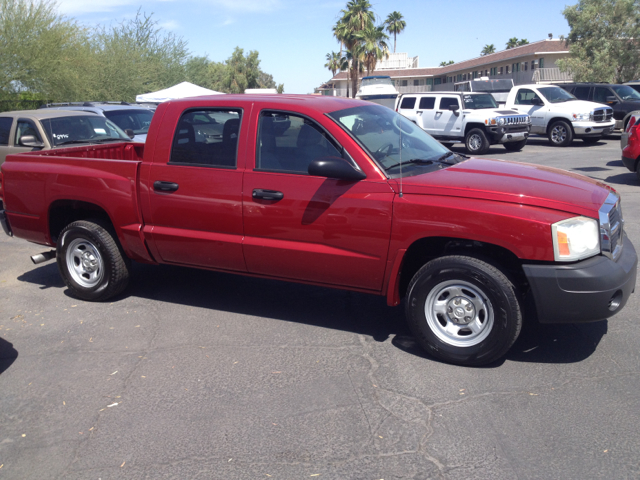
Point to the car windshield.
(556, 94)
(475, 102)
(81, 129)
(397, 145)
(136, 120)
(625, 92)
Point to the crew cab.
(560, 116)
(471, 118)
(350, 195)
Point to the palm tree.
(444, 64)
(523, 41)
(333, 62)
(374, 46)
(488, 49)
(356, 17)
(395, 24)
(513, 42)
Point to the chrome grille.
(516, 120)
(602, 114)
(611, 227)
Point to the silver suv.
(133, 119)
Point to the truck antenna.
(400, 149)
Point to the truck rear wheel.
(560, 133)
(90, 261)
(463, 310)
(476, 142)
(515, 146)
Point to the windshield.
(136, 120)
(80, 129)
(556, 94)
(475, 102)
(625, 92)
(390, 139)
(376, 81)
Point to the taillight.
(631, 123)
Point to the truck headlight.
(501, 121)
(575, 238)
(580, 117)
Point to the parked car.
(635, 84)
(471, 118)
(624, 100)
(630, 142)
(135, 118)
(559, 115)
(352, 196)
(28, 130)
(624, 136)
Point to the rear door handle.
(267, 194)
(160, 186)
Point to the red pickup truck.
(332, 192)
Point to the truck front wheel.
(91, 262)
(560, 133)
(476, 142)
(463, 310)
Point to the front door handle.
(160, 186)
(267, 194)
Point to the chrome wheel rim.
(458, 313)
(558, 134)
(475, 142)
(84, 263)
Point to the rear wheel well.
(427, 249)
(64, 212)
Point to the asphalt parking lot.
(199, 375)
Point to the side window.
(600, 94)
(289, 143)
(525, 97)
(5, 128)
(427, 103)
(446, 102)
(408, 102)
(24, 128)
(207, 137)
(581, 93)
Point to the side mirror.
(537, 102)
(334, 167)
(454, 108)
(611, 99)
(30, 141)
(129, 133)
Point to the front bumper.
(4, 221)
(586, 291)
(509, 133)
(592, 129)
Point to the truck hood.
(575, 106)
(513, 182)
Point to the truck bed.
(110, 151)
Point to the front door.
(524, 103)
(309, 228)
(448, 122)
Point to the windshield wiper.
(419, 161)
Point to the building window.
(430, 81)
(436, 81)
(500, 70)
(418, 82)
(402, 83)
(525, 66)
(541, 63)
(506, 69)
(533, 64)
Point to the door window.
(525, 97)
(5, 128)
(446, 102)
(427, 103)
(408, 102)
(207, 137)
(289, 143)
(600, 94)
(24, 128)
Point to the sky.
(293, 37)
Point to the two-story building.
(531, 63)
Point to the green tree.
(523, 41)
(513, 42)
(333, 62)
(373, 42)
(395, 24)
(444, 64)
(488, 49)
(603, 41)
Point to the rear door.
(426, 113)
(195, 191)
(310, 228)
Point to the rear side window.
(427, 103)
(5, 128)
(581, 93)
(446, 102)
(408, 102)
(207, 137)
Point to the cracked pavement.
(202, 375)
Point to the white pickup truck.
(471, 118)
(559, 115)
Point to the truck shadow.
(359, 313)
(8, 355)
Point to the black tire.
(515, 146)
(91, 262)
(459, 291)
(638, 170)
(591, 140)
(560, 133)
(476, 142)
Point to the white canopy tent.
(181, 90)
